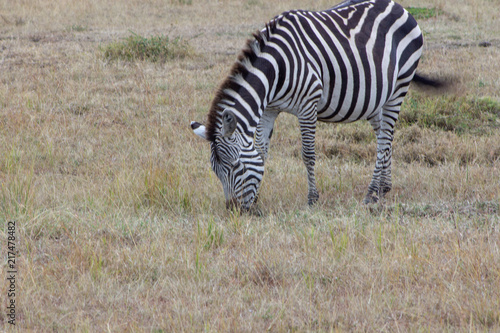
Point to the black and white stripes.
(354, 61)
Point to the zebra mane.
(247, 55)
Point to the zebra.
(351, 62)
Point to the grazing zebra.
(354, 61)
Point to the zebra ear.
(199, 129)
(228, 123)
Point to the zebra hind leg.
(381, 182)
(383, 125)
(308, 132)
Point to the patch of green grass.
(181, 2)
(77, 28)
(422, 13)
(451, 113)
(155, 48)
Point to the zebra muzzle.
(233, 204)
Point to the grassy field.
(121, 225)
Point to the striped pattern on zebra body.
(354, 61)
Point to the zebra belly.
(348, 112)
(341, 115)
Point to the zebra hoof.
(255, 211)
(385, 190)
(312, 199)
(370, 198)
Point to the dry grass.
(122, 225)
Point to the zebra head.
(235, 161)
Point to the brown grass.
(121, 225)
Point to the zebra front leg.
(264, 132)
(308, 132)
(263, 136)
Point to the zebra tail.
(425, 81)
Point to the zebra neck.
(246, 92)
(249, 93)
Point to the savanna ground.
(121, 225)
